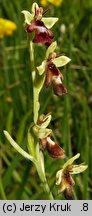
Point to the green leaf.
(50, 21)
(41, 68)
(17, 147)
(28, 16)
(61, 61)
(51, 49)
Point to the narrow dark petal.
(46, 11)
(54, 150)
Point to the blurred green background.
(71, 114)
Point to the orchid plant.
(39, 135)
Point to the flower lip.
(42, 34)
(54, 150)
(54, 77)
(59, 89)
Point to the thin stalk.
(44, 183)
(35, 94)
(38, 164)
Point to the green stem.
(44, 182)
(35, 93)
(39, 163)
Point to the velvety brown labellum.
(54, 77)
(42, 33)
(59, 89)
(54, 150)
(67, 182)
(69, 194)
(51, 71)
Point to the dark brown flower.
(54, 77)
(43, 133)
(64, 179)
(36, 23)
(42, 33)
(54, 150)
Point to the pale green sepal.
(78, 168)
(41, 68)
(41, 133)
(51, 49)
(61, 61)
(28, 16)
(49, 22)
(46, 121)
(59, 177)
(71, 160)
(18, 148)
(34, 7)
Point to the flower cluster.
(53, 2)
(7, 27)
